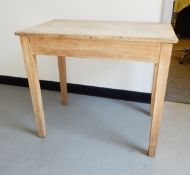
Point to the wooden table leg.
(153, 88)
(162, 75)
(32, 73)
(63, 79)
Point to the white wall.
(16, 15)
(167, 11)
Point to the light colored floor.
(90, 136)
(178, 87)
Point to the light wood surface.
(153, 88)
(63, 79)
(135, 31)
(150, 42)
(33, 80)
(161, 81)
(95, 48)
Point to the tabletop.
(129, 31)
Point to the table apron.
(96, 48)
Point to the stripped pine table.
(148, 42)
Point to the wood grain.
(128, 31)
(95, 48)
(153, 88)
(163, 68)
(32, 73)
(63, 79)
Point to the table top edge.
(30, 32)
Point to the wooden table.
(149, 42)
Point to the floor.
(178, 88)
(90, 136)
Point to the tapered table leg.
(63, 79)
(162, 75)
(153, 88)
(32, 73)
